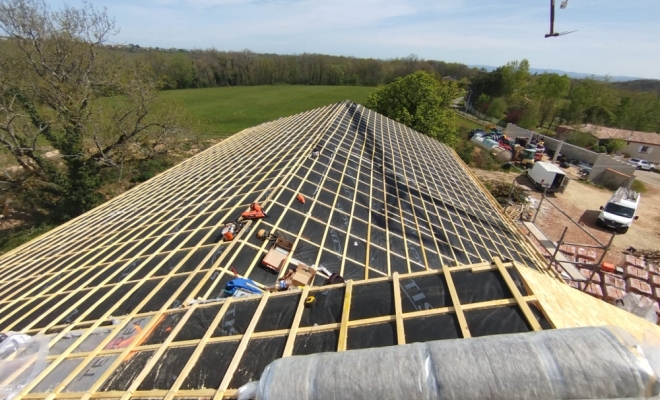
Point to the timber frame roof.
(113, 289)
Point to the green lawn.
(465, 124)
(228, 110)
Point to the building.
(643, 145)
(128, 294)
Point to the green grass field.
(465, 124)
(228, 110)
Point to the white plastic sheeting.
(21, 359)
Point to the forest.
(512, 94)
(184, 69)
(509, 93)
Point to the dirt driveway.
(582, 201)
(649, 178)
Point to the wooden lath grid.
(381, 201)
(343, 328)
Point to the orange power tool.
(255, 212)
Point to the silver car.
(642, 164)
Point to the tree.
(496, 108)
(590, 101)
(614, 145)
(421, 102)
(549, 89)
(516, 78)
(638, 111)
(68, 110)
(530, 116)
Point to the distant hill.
(641, 85)
(574, 75)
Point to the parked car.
(642, 164)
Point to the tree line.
(532, 101)
(179, 69)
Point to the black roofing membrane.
(381, 199)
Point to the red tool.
(255, 212)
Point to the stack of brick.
(593, 289)
(631, 271)
(638, 286)
(654, 280)
(610, 285)
(587, 273)
(634, 261)
(586, 254)
(653, 269)
(567, 250)
(614, 287)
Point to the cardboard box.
(304, 275)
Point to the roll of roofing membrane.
(577, 363)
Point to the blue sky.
(615, 37)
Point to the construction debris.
(645, 254)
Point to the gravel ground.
(582, 201)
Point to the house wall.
(633, 150)
(606, 162)
(613, 179)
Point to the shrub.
(638, 186)
(485, 161)
(496, 108)
(465, 150)
(147, 169)
(614, 145)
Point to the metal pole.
(539, 207)
(468, 100)
(561, 240)
(600, 261)
(513, 184)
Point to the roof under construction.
(128, 293)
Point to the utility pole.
(468, 100)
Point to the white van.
(546, 175)
(620, 211)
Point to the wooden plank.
(157, 354)
(347, 242)
(407, 185)
(198, 351)
(290, 340)
(456, 303)
(566, 307)
(400, 332)
(346, 309)
(533, 322)
(241, 348)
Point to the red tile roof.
(602, 132)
